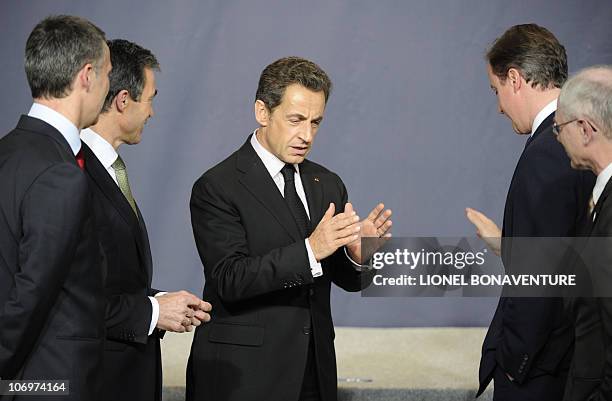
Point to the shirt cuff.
(155, 311)
(315, 267)
(154, 314)
(356, 266)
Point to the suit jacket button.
(311, 291)
(306, 330)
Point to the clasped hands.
(181, 311)
(345, 229)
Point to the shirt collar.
(58, 121)
(103, 150)
(541, 116)
(600, 184)
(273, 164)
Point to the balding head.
(588, 94)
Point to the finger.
(383, 218)
(202, 316)
(343, 220)
(473, 216)
(205, 306)
(348, 208)
(375, 212)
(340, 242)
(329, 213)
(384, 228)
(189, 328)
(195, 322)
(351, 230)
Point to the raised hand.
(332, 232)
(376, 225)
(485, 229)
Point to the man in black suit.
(136, 314)
(51, 272)
(583, 125)
(269, 234)
(528, 346)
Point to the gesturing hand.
(376, 225)
(181, 311)
(332, 232)
(485, 229)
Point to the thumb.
(329, 213)
(348, 208)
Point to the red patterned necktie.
(80, 159)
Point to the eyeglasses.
(557, 127)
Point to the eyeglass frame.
(556, 128)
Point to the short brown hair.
(57, 48)
(277, 76)
(534, 51)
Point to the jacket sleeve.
(222, 244)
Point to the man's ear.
(262, 114)
(121, 100)
(515, 79)
(587, 130)
(85, 77)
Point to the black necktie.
(294, 202)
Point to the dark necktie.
(294, 202)
(80, 159)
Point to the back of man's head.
(56, 50)
(129, 62)
(534, 51)
(588, 94)
(276, 77)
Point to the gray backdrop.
(411, 121)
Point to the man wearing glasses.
(584, 127)
(527, 349)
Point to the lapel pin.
(316, 179)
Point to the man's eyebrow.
(297, 115)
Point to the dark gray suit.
(51, 273)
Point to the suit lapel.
(258, 182)
(109, 188)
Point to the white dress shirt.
(542, 115)
(107, 155)
(274, 166)
(60, 123)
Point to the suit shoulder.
(29, 151)
(310, 167)
(219, 172)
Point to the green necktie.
(124, 184)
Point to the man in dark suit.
(528, 346)
(272, 242)
(583, 125)
(136, 314)
(51, 272)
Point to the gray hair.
(57, 49)
(589, 94)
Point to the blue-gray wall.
(412, 120)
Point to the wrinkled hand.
(485, 229)
(376, 225)
(332, 232)
(181, 311)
